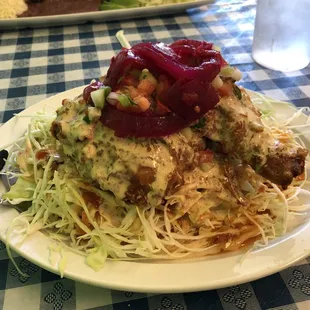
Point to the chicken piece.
(215, 190)
(139, 171)
(236, 124)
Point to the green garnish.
(125, 4)
(227, 71)
(86, 119)
(99, 96)
(147, 75)
(120, 79)
(201, 123)
(125, 101)
(135, 73)
(115, 6)
(132, 103)
(106, 91)
(237, 92)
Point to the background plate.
(101, 16)
(157, 276)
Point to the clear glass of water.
(282, 34)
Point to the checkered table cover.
(37, 63)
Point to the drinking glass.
(282, 34)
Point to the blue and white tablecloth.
(37, 63)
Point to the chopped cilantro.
(237, 92)
(120, 79)
(201, 123)
(86, 119)
(132, 103)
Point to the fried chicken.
(139, 171)
(237, 125)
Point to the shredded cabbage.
(21, 191)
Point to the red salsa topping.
(159, 89)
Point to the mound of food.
(164, 157)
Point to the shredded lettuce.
(21, 191)
(97, 258)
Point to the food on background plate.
(59, 7)
(31, 8)
(164, 157)
(124, 4)
(12, 8)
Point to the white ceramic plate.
(100, 16)
(172, 276)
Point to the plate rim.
(90, 277)
(100, 15)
